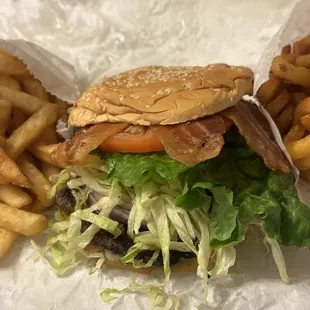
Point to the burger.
(169, 166)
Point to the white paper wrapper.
(101, 39)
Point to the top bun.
(162, 95)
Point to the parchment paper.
(101, 38)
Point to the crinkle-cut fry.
(296, 133)
(14, 196)
(284, 119)
(303, 61)
(31, 130)
(12, 66)
(10, 172)
(40, 186)
(9, 82)
(305, 175)
(296, 97)
(5, 115)
(300, 148)
(303, 108)
(34, 87)
(302, 47)
(305, 121)
(303, 163)
(7, 240)
(20, 100)
(20, 221)
(269, 90)
(283, 69)
(278, 104)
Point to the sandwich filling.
(195, 192)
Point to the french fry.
(5, 115)
(34, 87)
(283, 69)
(303, 108)
(9, 82)
(7, 239)
(3, 181)
(20, 100)
(20, 221)
(10, 172)
(12, 66)
(283, 121)
(305, 121)
(62, 109)
(48, 170)
(286, 50)
(2, 142)
(14, 196)
(303, 163)
(291, 58)
(278, 104)
(42, 152)
(296, 133)
(18, 117)
(31, 130)
(303, 61)
(269, 90)
(305, 175)
(300, 148)
(7, 53)
(39, 184)
(296, 97)
(302, 47)
(37, 207)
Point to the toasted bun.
(186, 265)
(162, 95)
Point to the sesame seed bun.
(162, 95)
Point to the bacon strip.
(254, 127)
(193, 142)
(75, 150)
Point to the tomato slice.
(131, 143)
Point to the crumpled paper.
(88, 40)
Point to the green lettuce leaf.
(135, 169)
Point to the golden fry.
(9, 82)
(300, 148)
(269, 90)
(5, 115)
(10, 172)
(48, 170)
(2, 142)
(283, 121)
(303, 61)
(283, 69)
(39, 184)
(296, 133)
(12, 66)
(31, 130)
(20, 221)
(62, 109)
(303, 108)
(34, 87)
(290, 58)
(278, 104)
(305, 175)
(18, 117)
(42, 152)
(303, 163)
(20, 100)
(302, 47)
(296, 97)
(14, 196)
(286, 50)
(37, 207)
(7, 239)
(7, 53)
(305, 121)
